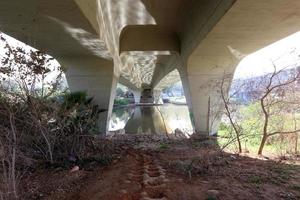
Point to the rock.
(179, 133)
(127, 181)
(72, 158)
(115, 161)
(75, 169)
(123, 191)
(212, 194)
(205, 182)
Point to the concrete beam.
(199, 21)
(170, 79)
(36, 22)
(148, 38)
(165, 65)
(96, 77)
(128, 84)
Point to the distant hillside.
(243, 89)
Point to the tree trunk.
(296, 134)
(228, 113)
(13, 156)
(296, 143)
(262, 144)
(239, 142)
(265, 127)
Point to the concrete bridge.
(150, 44)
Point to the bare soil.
(169, 169)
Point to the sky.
(282, 53)
(13, 42)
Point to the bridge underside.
(150, 44)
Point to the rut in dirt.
(150, 175)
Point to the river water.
(160, 119)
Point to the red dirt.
(178, 172)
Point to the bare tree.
(225, 103)
(230, 108)
(40, 119)
(278, 96)
(8, 154)
(274, 93)
(23, 82)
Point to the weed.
(296, 187)
(163, 146)
(211, 198)
(256, 180)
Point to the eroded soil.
(166, 169)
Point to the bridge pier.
(96, 77)
(157, 99)
(202, 92)
(137, 96)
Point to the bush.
(40, 121)
(121, 102)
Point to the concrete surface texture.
(150, 43)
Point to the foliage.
(120, 92)
(163, 146)
(121, 102)
(252, 122)
(270, 114)
(40, 120)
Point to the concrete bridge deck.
(140, 42)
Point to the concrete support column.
(204, 101)
(157, 97)
(137, 96)
(96, 77)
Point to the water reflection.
(168, 118)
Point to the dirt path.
(178, 171)
(147, 172)
(146, 175)
(139, 176)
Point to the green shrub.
(163, 146)
(121, 102)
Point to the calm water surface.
(152, 119)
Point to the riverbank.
(158, 167)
